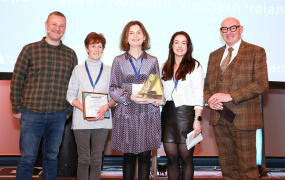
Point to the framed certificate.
(92, 101)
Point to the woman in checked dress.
(136, 124)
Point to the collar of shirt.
(137, 62)
(234, 52)
(128, 55)
(44, 43)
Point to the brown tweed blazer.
(247, 81)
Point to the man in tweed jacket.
(238, 88)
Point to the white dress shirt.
(192, 88)
(234, 52)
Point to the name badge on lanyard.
(90, 78)
(136, 88)
(177, 96)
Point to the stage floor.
(199, 175)
(202, 173)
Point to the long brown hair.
(124, 36)
(187, 64)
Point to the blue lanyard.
(137, 73)
(90, 78)
(175, 82)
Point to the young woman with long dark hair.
(183, 81)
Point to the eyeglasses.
(232, 29)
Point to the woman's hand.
(197, 127)
(156, 104)
(91, 119)
(101, 113)
(137, 98)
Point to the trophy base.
(154, 97)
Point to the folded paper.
(191, 141)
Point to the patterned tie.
(226, 61)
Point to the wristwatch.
(199, 118)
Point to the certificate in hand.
(92, 101)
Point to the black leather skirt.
(176, 122)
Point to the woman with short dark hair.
(90, 133)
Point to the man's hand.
(216, 101)
(17, 116)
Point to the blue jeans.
(36, 126)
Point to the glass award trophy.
(152, 90)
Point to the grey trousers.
(90, 145)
